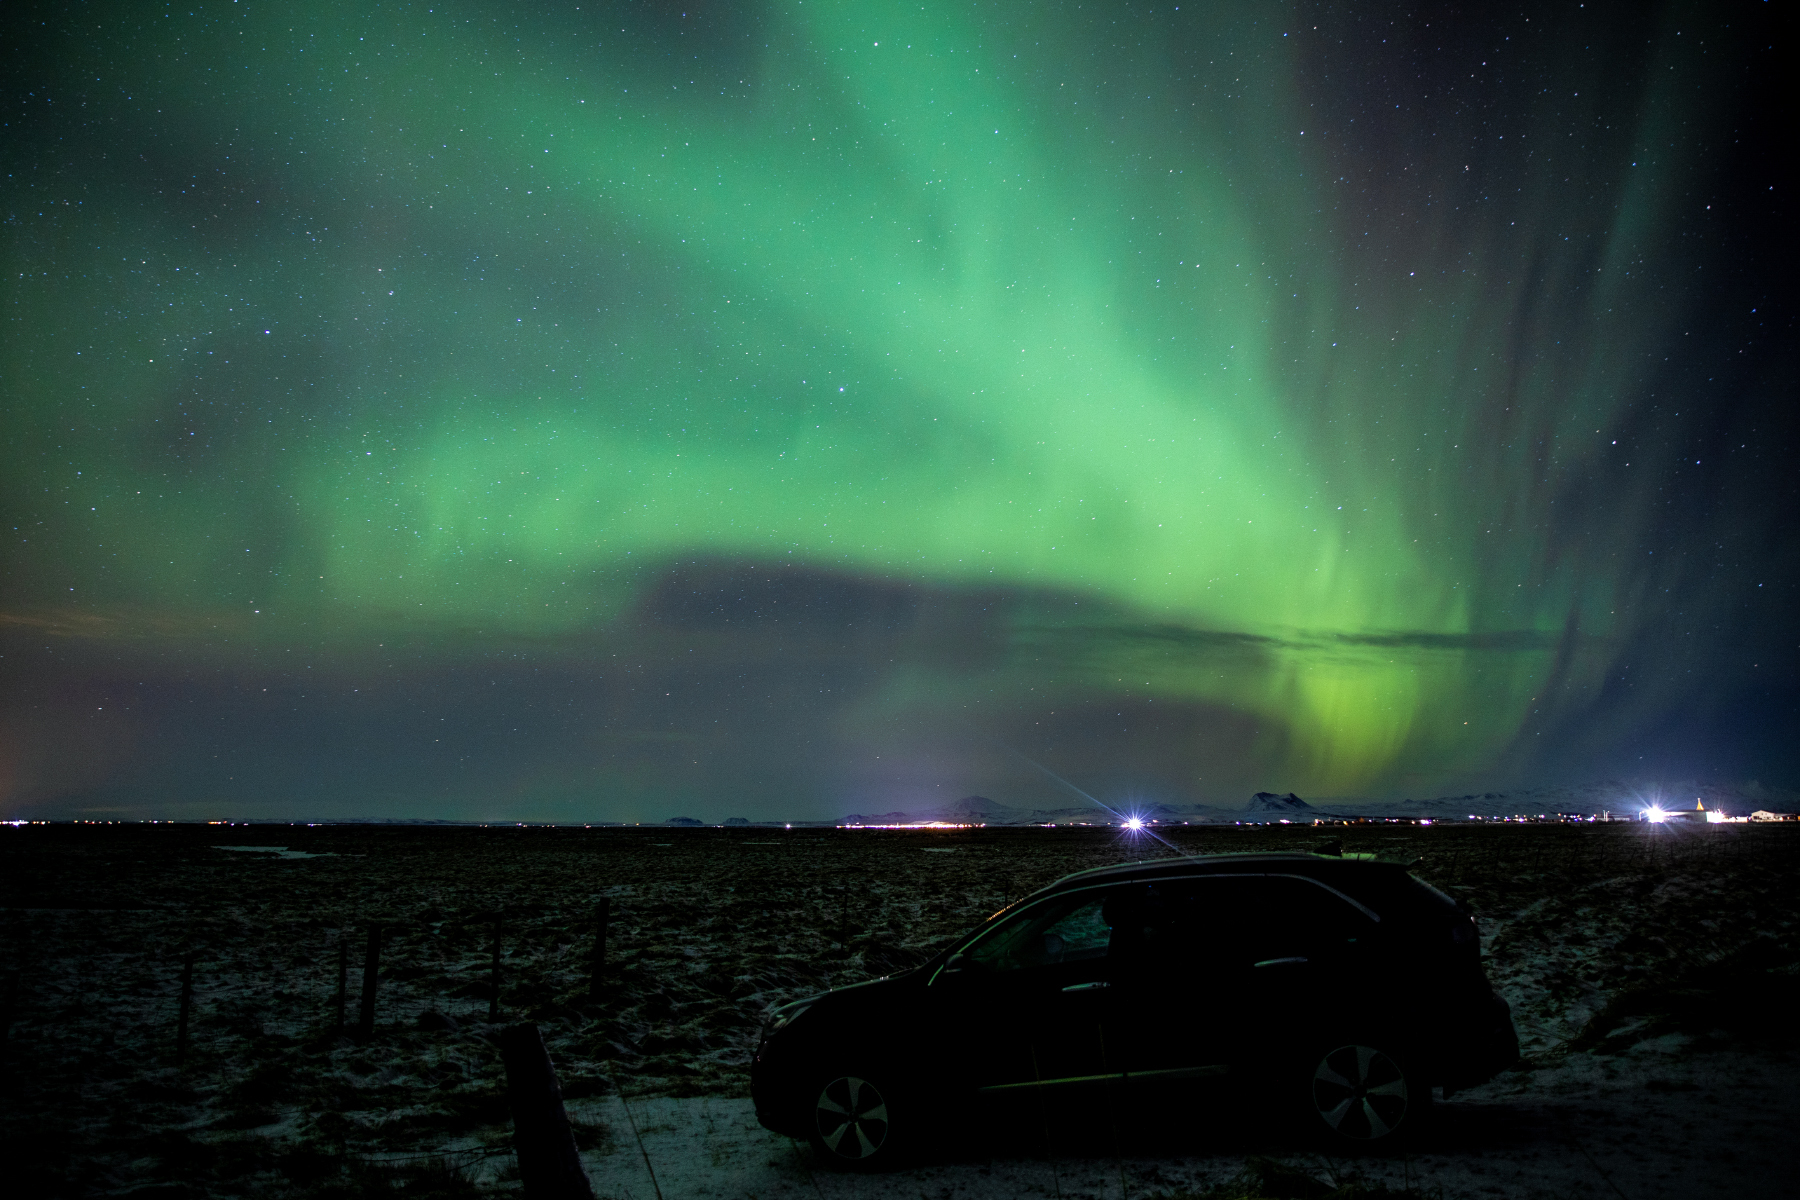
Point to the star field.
(457, 410)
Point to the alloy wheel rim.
(852, 1117)
(1360, 1092)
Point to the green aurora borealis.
(452, 411)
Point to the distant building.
(1763, 814)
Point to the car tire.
(1363, 1095)
(853, 1125)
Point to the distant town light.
(1655, 815)
(922, 825)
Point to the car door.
(1027, 1001)
(1210, 970)
(1305, 957)
(1169, 974)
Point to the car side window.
(1061, 929)
(1233, 922)
(1294, 918)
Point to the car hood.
(870, 994)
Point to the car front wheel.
(1363, 1096)
(852, 1124)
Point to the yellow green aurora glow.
(1320, 379)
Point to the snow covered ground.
(1652, 973)
(1658, 1122)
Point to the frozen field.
(1652, 974)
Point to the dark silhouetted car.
(1337, 993)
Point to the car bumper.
(776, 1092)
(1494, 1048)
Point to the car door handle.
(1087, 987)
(1279, 962)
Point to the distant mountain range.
(1612, 796)
(1601, 796)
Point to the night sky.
(620, 412)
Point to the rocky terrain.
(1603, 937)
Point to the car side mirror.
(955, 963)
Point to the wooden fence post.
(343, 985)
(602, 918)
(185, 1006)
(365, 1018)
(7, 1017)
(494, 975)
(549, 1163)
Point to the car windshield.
(1060, 929)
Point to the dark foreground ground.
(1653, 974)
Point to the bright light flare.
(1134, 823)
(1655, 815)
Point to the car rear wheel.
(1364, 1096)
(852, 1124)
